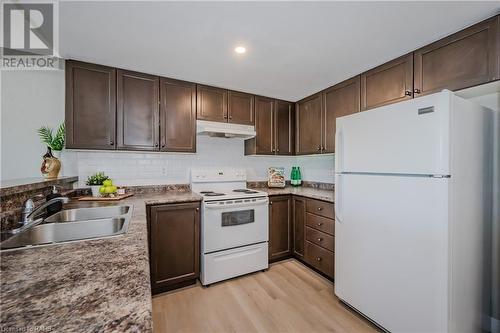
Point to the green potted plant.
(55, 143)
(95, 181)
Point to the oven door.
(228, 224)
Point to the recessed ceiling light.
(240, 49)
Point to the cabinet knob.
(318, 259)
(197, 209)
(270, 202)
(408, 92)
(230, 117)
(320, 224)
(416, 91)
(163, 145)
(319, 147)
(320, 209)
(320, 239)
(111, 142)
(156, 144)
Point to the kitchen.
(211, 167)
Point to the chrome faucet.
(30, 212)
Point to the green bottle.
(293, 176)
(298, 177)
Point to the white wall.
(128, 168)
(29, 100)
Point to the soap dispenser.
(56, 206)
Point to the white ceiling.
(293, 48)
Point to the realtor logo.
(28, 29)
(30, 36)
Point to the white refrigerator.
(412, 199)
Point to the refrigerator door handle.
(338, 198)
(339, 149)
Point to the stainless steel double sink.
(73, 225)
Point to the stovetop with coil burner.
(222, 184)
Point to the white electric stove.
(234, 224)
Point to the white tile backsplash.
(131, 168)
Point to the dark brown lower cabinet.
(320, 236)
(299, 216)
(174, 245)
(280, 227)
(320, 258)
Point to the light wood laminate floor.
(289, 297)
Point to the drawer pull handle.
(320, 209)
(318, 259)
(320, 239)
(320, 224)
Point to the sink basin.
(85, 223)
(80, 214)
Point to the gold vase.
(50, 165)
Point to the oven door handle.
(236, 205)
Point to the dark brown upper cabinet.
(389, 83)
(174, 245)
(177, 116)
(274, 128)
(240, 108)
(90, 106)
(263, 143)
(340, 100)
(137, 112)
(284, 129)
(211, 103)
(308, 134)
(464, 59)
(280, 227)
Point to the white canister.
(95, 190)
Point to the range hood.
(224, 130)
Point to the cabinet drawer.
(320, 223)
(319, 258)
(322, 208)
(320, 238)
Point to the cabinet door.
(137, 111)
(467, 58)
(264, 125)
(174, 235)
(240, 108)
(280, 228)
(284, 129)
(308, 118)
(211, 103)
(389, 83)
(340, 100)
(299, 213)
(90, 106)
(178, 116)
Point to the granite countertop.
(13, 186)
(93, 286)
(308, 192)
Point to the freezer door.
(410, 137)
(391, 250)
